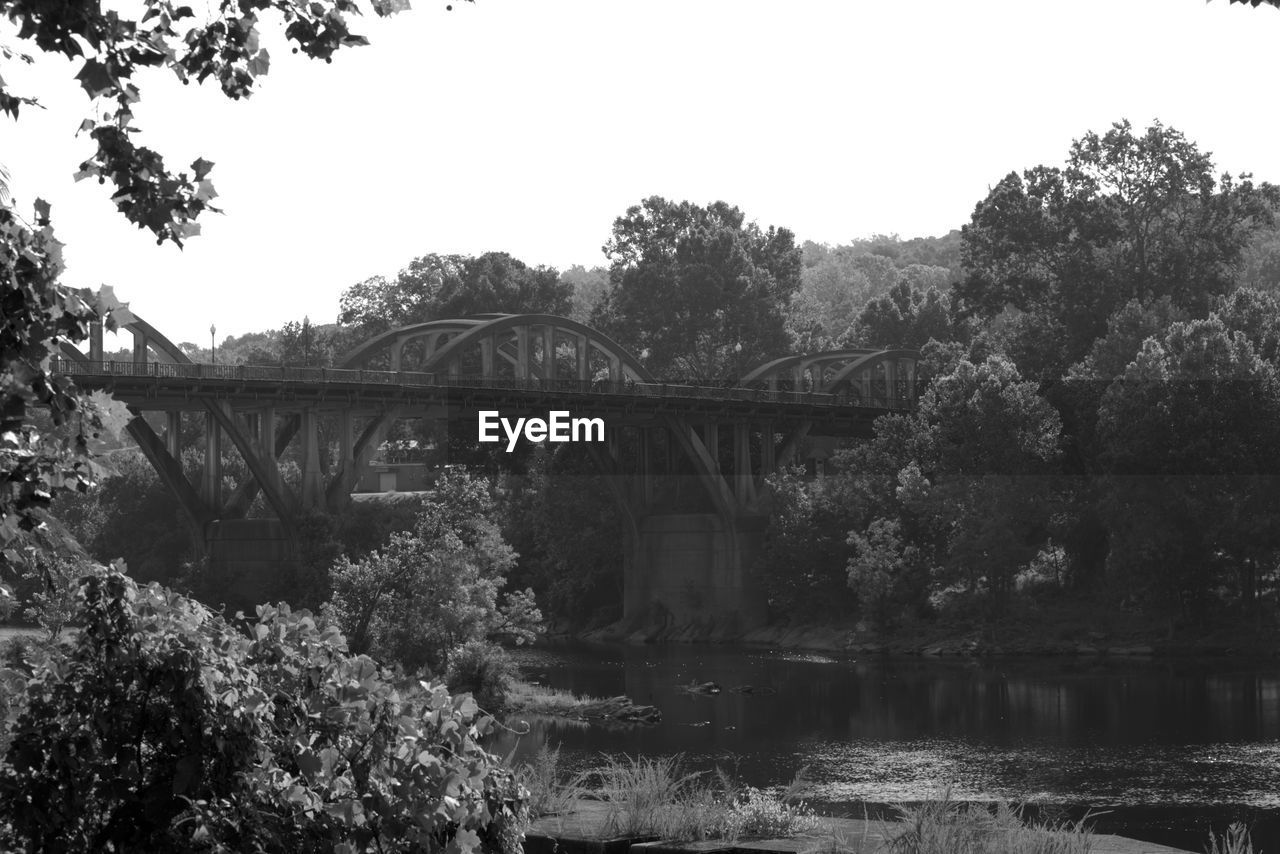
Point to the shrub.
(429, 592)
(482, 669)
(166, 728)
(763, 814)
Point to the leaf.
(95, 78)
(464, 842)
(390, 7)
(309, 763)
(260, 64)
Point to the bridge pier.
(694, 568)
(211, 482)
(312, 477)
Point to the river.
(1161, 747)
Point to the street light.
(213, 347)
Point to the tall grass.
(551, 791)
(539, 699)
(649, 796)
(656, 797)
(948, 827)
(1235, 841)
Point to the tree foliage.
(426, 593)
(697, 292)
(47, 431)
(433, 287)
(1132, 216)
(167, 728)
(568, 527)
(113, 49)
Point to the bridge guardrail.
(879, 398)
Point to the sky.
(528, 126)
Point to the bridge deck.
(161, 386)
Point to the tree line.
(1098, 349)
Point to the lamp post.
(213, 347)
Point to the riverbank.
(1026, 636)
(588, 828)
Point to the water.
(1163, 747)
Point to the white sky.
(528, 126)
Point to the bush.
(482, 669)
(166, 728)
(431, 591)
(763, 814)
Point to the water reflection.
(1169, 735)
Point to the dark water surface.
(1166, 747)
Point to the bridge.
(686, 464)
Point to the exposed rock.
(701, 688)
(620, 709)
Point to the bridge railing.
(413, 379)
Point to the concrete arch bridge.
(686, 463)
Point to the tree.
(695, 292)
(306, 345)
(426, 593)
(802, 562)
(112, 48)
(567, 526)
(433, 287)
(1133, 216)
(905, 317)
(589, 288)
(47, 431)
(1190, 438)
(833, 289)
(969, 489)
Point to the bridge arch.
(871, 375)
(531, 345)
(146, 340)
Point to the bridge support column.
(584, 363)
(312, 479)
(549, 353)
(522, 353)
(267, 428)
(140, 345)
(211, 484)
(645, 462)
(711, 438)
(95, 341)
(347, 440)
(173, 434)
(768, 461)
(742, 463)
